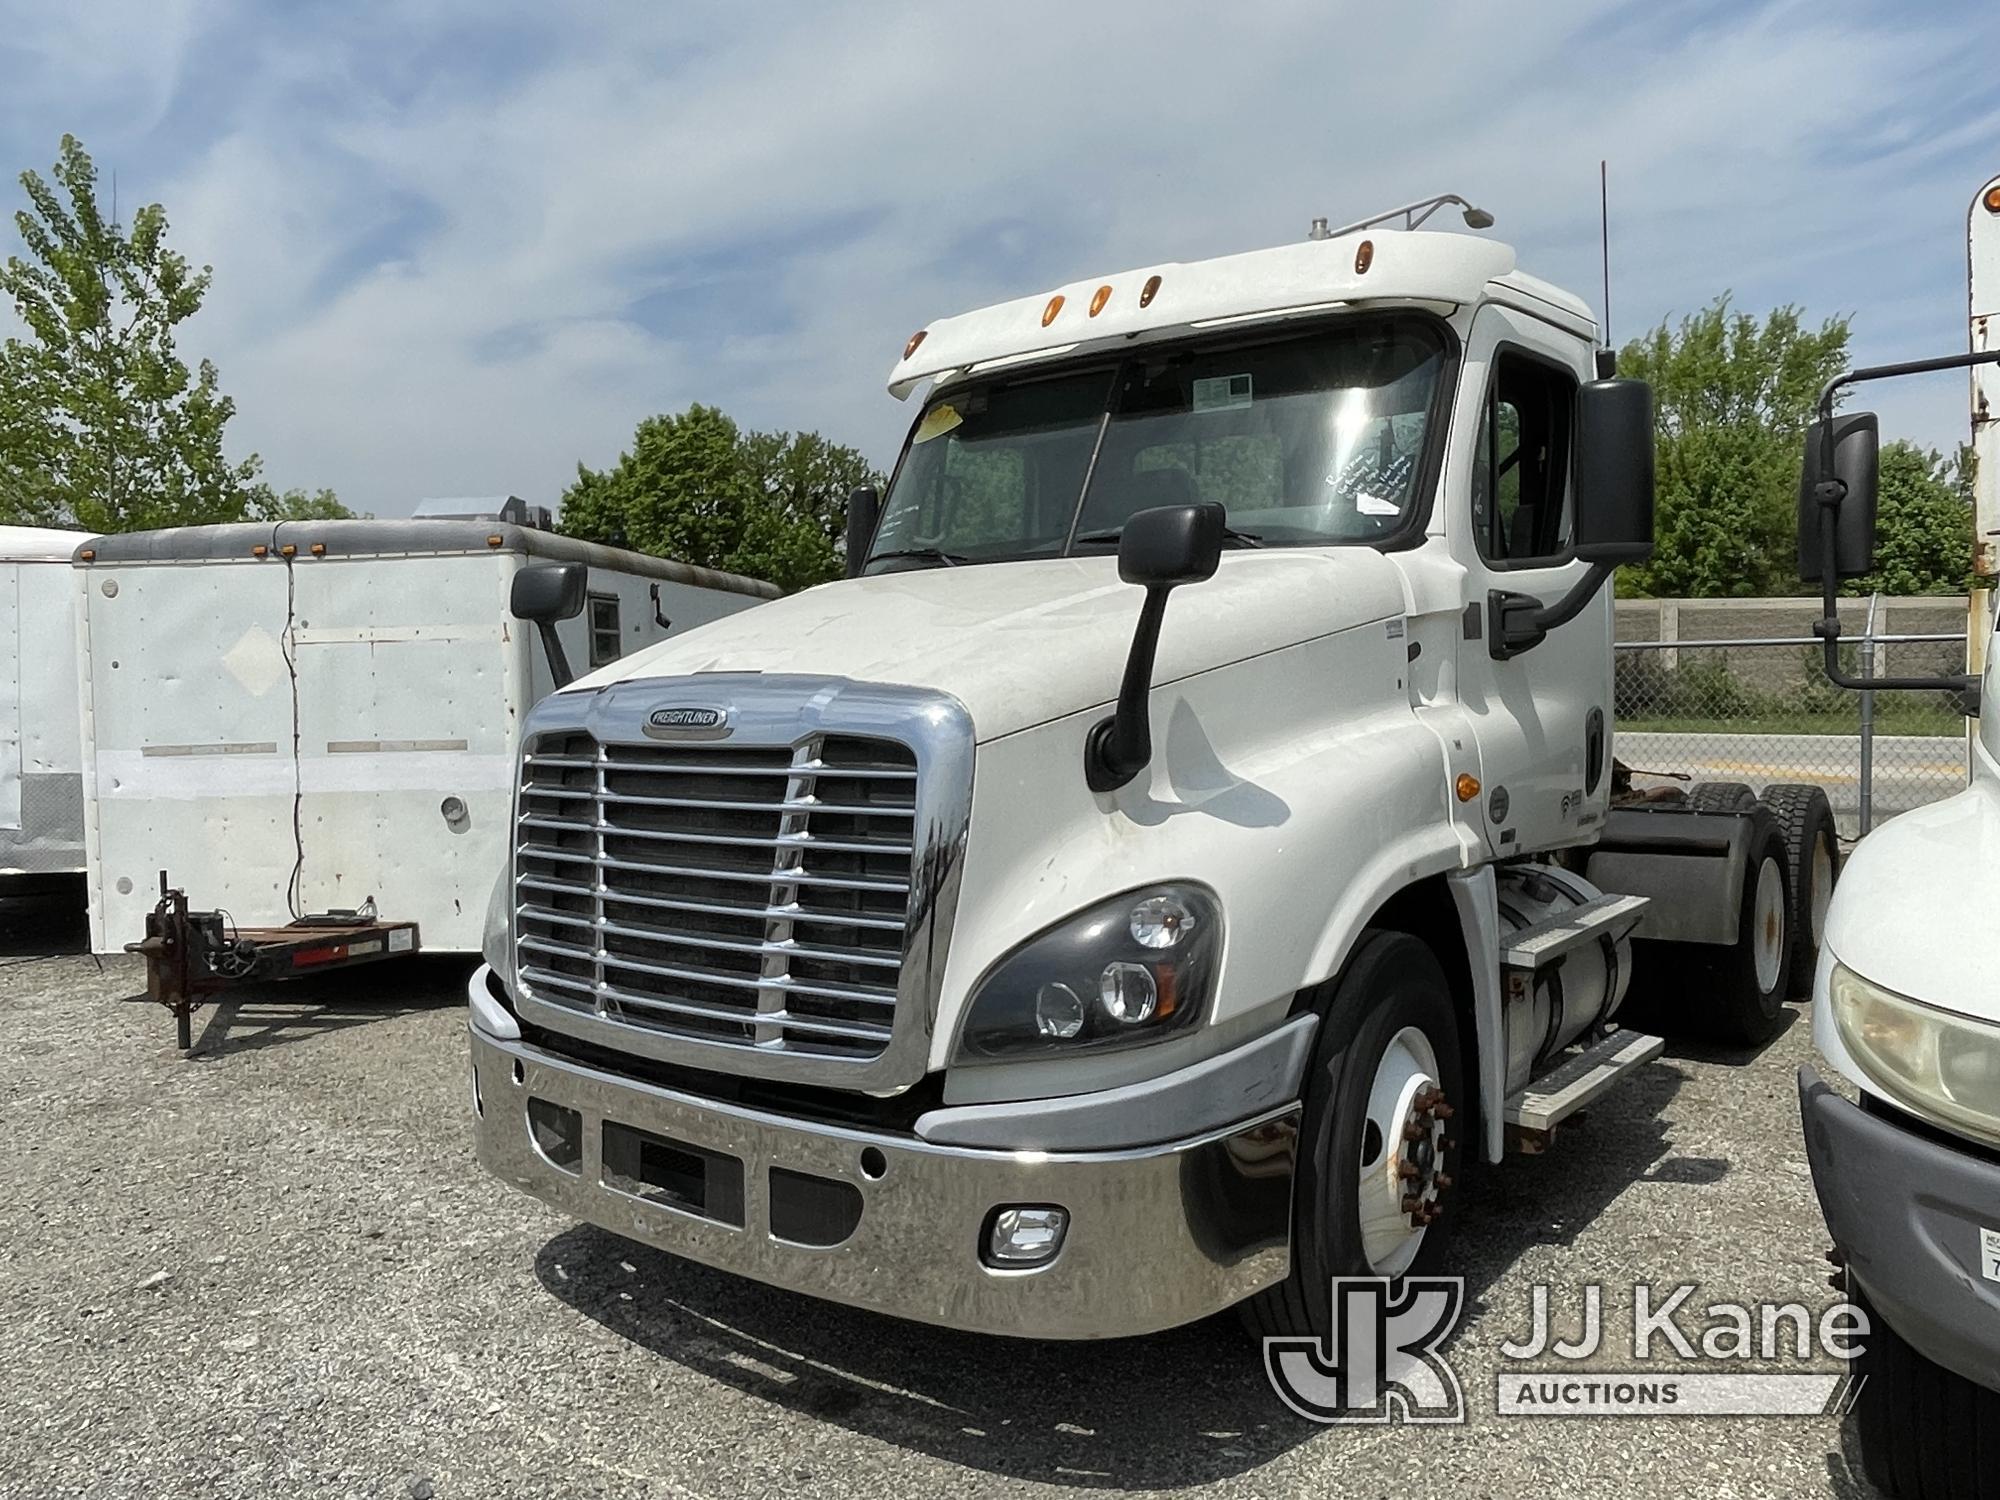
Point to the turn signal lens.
(1467, 788)
(1992, 200)
(915, 339)
(1097, 302)
(1054, 307)
(1364, 257)
(1149, 291)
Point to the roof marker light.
(915, 339)
(288, 550)
(1149, 291)
(1364, 257)
(319, 549)
(87, 553)
(1097, 302)
(259, 550)
(495, 540)
(1992, 200)
(1054, 307)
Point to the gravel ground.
(273, 1269)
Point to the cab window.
(1520, 475)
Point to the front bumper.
(1907, 1212)
(1158, 1236)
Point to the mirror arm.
(1119, 747)
(1827, 627)
(1520, 622)
(558, 660)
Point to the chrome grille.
(753, 897)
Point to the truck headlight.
(1126, 971)
(493, 948)
(1941, 1066)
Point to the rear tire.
(1721, 796)
(1812, 855)
(1387, 1032)
(1924, 1431)
(1746, 983)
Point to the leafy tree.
(263, 503)
(694, 486)
(103, 425)
(1733, 398)
(1923, 523)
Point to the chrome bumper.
(1158, 1236)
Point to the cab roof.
(1371, 267)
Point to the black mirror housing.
(1844, 452)
(864, 513)
(547, 592)
(1614, 471)
(1172, 544)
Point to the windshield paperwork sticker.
(1222, 393)
(1989, 1253)
(937, 422)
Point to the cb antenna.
(1607, 357)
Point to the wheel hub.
(1420, 1162)
(1403, 1151)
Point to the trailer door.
(405, 735)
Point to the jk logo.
(1380, 1361)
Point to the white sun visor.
(1378, 266)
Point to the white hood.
(1022, 643)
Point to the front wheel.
(1378, 1144)
(1924, 1431)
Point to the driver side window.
(1520, 474)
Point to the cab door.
(1543, 716)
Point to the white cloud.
(433, 238)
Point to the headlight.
(1942, 1066)
(494, 946)
(1127, 971)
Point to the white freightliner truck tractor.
(1906, 1010)
(1187, 840)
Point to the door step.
(1533, 1114)
(1606, 917)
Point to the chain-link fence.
(1758, 709)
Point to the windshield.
(1308, 441)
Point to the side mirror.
(864, 511)
(1837, 488)
(1614, 471)
(547, 592)
(543, 594)
(1159, 550)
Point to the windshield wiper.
(1229, 534)
(927, 554)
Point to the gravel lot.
(272, 1269)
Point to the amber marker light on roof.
(1149, 291)
(1992, 199)
(915, 339)
(1097, 302)
(319, 549)
(495, 540)
(259, 550)
(1055, 306)
(1364, 257)
(87, 553)
(288, 550)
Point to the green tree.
(263, 503)
(103, 425)
(696, 487)
(1923, 523)
(1733, 398)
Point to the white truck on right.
(1906, 1010)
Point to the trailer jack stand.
(191, 955)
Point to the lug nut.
(1413, 1205)
(1406, 1170)
(1414, 1132)
(1444, 1111)
(1443, 1180)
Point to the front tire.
(1924, 1431)
(1378, 1144)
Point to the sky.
(461, 247)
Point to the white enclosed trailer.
(298, 718)
(41, 772)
